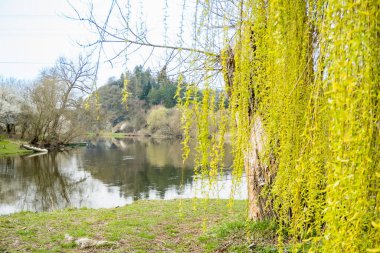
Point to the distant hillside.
(145, 90)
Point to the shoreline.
(10, 147)
(132, 135)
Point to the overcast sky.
(34, 33)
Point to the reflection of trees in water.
(8, 186)
(156, 165)
(38, 183)
(50, 184)
(7, 167)
(55, 181)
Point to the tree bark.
(255, 170)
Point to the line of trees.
(50, 111)
(145, 90)
(152, 104)
(149, 95)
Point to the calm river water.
(107, 173)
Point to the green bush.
(164, 121)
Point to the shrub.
(163, 121)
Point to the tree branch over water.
(116, 28)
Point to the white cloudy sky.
(34, 33)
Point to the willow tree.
(306, 85)
(302, 80)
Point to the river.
(106, 173)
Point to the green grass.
(237, 235)
(144, 226)
(11, 147)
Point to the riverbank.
(144, 226)
(141, 134)
(12, 147)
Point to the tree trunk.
(11, 129)
(257, 174)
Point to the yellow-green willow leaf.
(309, 70)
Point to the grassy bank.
(144, 226)
(11, 147)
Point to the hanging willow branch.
(302, 81)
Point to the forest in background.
(150, 108)
(64, 104)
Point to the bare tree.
(74, 79)
(52, 104)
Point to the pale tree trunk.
(257, 173)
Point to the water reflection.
(149, 165)
(107, 173)
(37, 183)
